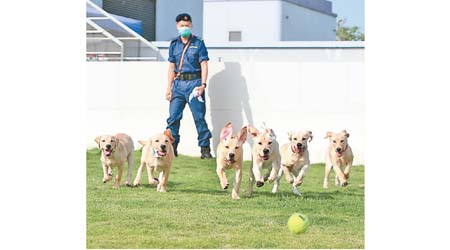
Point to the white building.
(268, 20)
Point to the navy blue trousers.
(180, 96)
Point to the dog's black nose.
(108, 146)
(299, 144)
(163, 146)
(339, 149)
(231, 155)
(265, 151)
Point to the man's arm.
(170, 77)
(204, 66)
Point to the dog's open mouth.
(297, 150)
(107, 152)
(265, 157)
(339, 154)
(230, 161)
(161, 153)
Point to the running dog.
(230, 155)
(295, 158)
(265, 154)
(116, 150)
(338, 155)
(157, 155)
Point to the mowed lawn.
(196, 213)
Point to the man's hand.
(169, 95)
(200, 90)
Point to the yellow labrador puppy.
(338, 155)
(116, 150)
(230, 155)
(265, 154)
(295, 158)
(157, 155)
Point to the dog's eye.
(270, 142)
(112, 141)
(103, 140)
(260, 143)
(342, 141)
(166, 141)
(334, 141)
(227, 147)
(156, 140)
(303, 138)
(236, 148)
(295, 139)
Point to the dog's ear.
(242, 135)
(346, 134)
(142, 142)
(253, 131)
(168, 133)
(226, 131)
(272, 134)
(97, 140)
(329, 134)
(310, 136)
(290, 135)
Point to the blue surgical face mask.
(184, 31)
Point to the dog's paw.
(270, 180)
(344, 183)
(235, 196)
(153, 182)
(226, 186)
(325, 186)
(128, 185)
(259, 183)
(107, 178)
(116, 186)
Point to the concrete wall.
(299, 23)
(317, 95)
(167, 10)
(258, 21)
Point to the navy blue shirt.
(195, 54)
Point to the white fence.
(317, 95)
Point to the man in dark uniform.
(188, 71)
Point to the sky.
(352, 10)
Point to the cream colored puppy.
(338, 155)
(295, 158)
(230, 155)
(265, 154)
(116, 150)
(157, 155)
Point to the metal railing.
(108, 39)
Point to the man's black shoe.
(205, 153)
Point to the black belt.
(189, 76)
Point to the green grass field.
(196, 213)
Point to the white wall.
(299, 23)
(167, 10)
(256, 20)
(318, 95)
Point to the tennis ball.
(298, 223)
